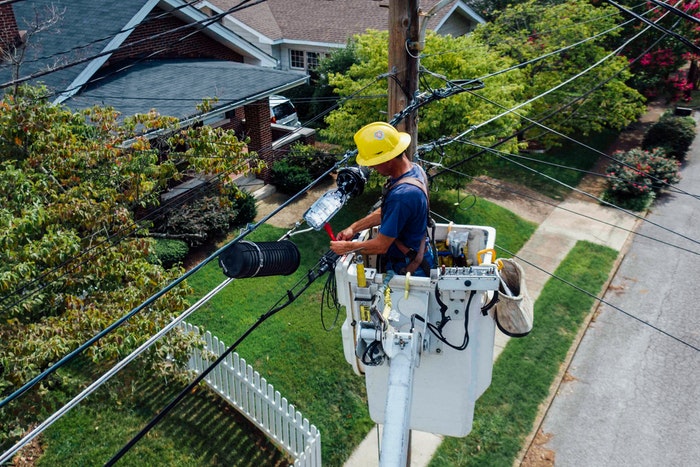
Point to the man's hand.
(345, 234)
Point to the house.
(298, 33)
(135, 55)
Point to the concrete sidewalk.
(573, 220)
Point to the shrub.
(202, 220)
(300, 167)
(288, 178)
(244, 204)
(634, 180)
(170, 251)
(675, 134)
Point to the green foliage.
(635, 180)
(300, 167)
(170, 251)
(70, 264)
(289, 178)
(674, 134)
(244, 203)
(199, 221)
(640, 170)
(526, 368)
(530, 30)
(456, 58)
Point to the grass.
(291, 350)
(569, 154)
(93, 432)
(525, 370)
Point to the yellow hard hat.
(379, 142)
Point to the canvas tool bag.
(514, 313)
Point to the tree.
(454, 58)
(531, 30)
(72, 257)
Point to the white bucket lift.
(425, 348)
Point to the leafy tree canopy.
(70, 260)
(530, 30)
(453, 58)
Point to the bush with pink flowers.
(637, 176)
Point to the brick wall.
(9, 33)
(257, 123)
(174, 45)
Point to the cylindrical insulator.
(257, 259)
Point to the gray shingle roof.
(175, 87)
(84, 28)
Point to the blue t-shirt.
(405, 213)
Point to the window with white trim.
(296, 59)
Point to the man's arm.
(370, 220)
(377, 245)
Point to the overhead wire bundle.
(458, 138)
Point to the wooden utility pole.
(403, 63)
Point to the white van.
(282, 111)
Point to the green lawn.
(568, 155)
(526, 369)
(291, 350)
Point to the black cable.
(324, 265)
(105, 38)
(437, 329)
(577, 190)
(329, 299)
(157, 212)
(522, 194)
(204, 23)
(111, 241)
(602, 300)
(676, 11)
(675, 35)
(67, 358)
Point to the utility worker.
(403, 215)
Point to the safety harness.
(417, 258)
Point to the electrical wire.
(39, 429)
(110, 240)
(147, 20)
(503, 155)
(166, 289)
(204, 23)
(655, 25)
(324, 265)
(602, 300)
(554, 205)
(4, 401)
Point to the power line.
(39, 429)
(104, 38)
(680, 37)
(602, 300)
(164, 208)
(556, 205)
(204, 23)
(577, 190)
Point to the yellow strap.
(483, 252)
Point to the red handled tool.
(329, 230)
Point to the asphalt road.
(634, 395)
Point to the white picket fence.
(242, 387)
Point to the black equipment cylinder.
(257, 259)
